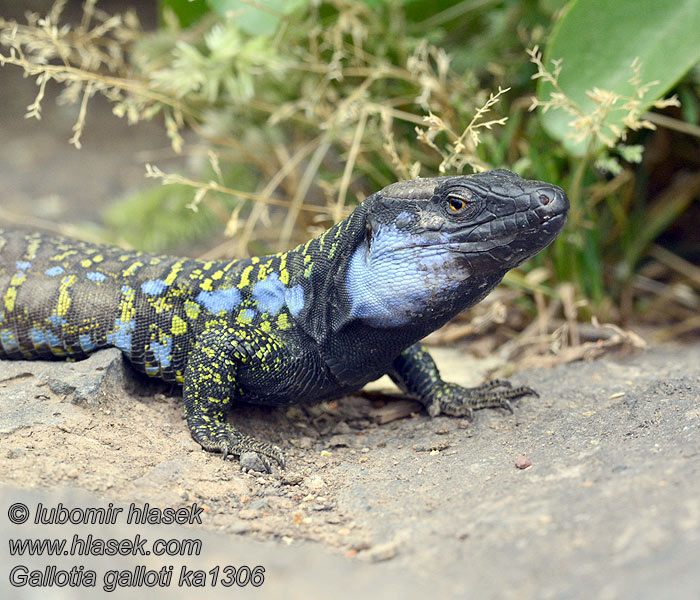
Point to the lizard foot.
(222, 437)
(457, 401)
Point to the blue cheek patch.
(220, 300)
(155, 287)
(395, 279)
(23, 266)
(53, 271)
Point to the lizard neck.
(320, 266)
(354, 285)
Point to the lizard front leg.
(416, 373)
(215, 371)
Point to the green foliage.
(223, 66)
(261, 18)
(305, 107)
(166, 205)
(187, 12)
(596, 43)
(607, 64)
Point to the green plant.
(298, 110)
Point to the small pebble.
(381, 552)
(341, 428)
(250, 461)
(258, 504)
(315, 482)
(289, 478)
(523, 462)
(303, 443)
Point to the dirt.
(590, 490)
(608, 506)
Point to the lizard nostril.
(544, 199)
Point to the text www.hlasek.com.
(91, 546)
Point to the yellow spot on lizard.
(64, 298)
(32, 247)
(10, 297)
(282, 321)
(192, 309)
(174, 272)
(131, 269)
(245, 277)
(179, 326)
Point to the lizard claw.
(224, 438)
(525, 390)
(458, 401)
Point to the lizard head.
(431, 240)
(492, 221)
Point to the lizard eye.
(456, 203)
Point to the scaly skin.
(309, 324)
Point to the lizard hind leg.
(210, 379)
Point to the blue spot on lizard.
(220, 300)
(154, 287)
(96, 277)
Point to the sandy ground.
(609, 508)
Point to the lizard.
(313, 323)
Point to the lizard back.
(63, 298)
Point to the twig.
(349, 166)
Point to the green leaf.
(597, 41)
(186, 11)
(261, 17)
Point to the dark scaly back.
(63, 298)
(66, 298)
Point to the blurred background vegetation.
(290, 112)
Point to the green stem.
(576, 188)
